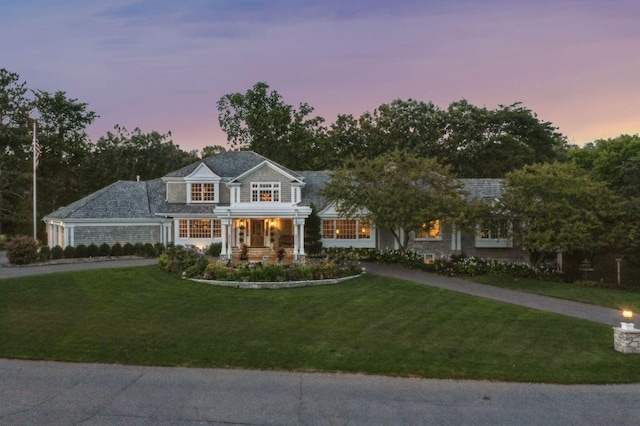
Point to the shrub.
(179, 258)
(128, 249)
(197, 269)
(214, 249)
(81, 251)
(138, 249)
(159, 249)
(93, 250)
(148, 251)
(3, 242)
(69, 252)
(104, 249)
(22, 250)
(116, 250)
(45, 253)
(57, 252)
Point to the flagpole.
(35, 163)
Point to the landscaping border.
(274, 285)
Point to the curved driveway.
(39, 393)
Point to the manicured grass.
(608, 297)
(371, 325)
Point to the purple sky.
(162, 65)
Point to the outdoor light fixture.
(627, 314)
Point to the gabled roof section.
(229, 165)
(202, 173)
(120, 200)
(294, 176)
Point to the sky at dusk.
(162, 65)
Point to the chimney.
(137, 178)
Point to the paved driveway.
(7, 271)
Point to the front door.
(257, 233)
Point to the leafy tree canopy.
(260, 121)
(560, 207)
(396, 191)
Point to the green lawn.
(608, 297)
(370, 324)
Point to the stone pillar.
(626, 341)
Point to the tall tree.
(124, 155)
(260, 121)
(15, 151)
(397, 191)
(490, 143)
(561, 207)
(64, 144)
(616, 162)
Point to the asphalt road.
(51, 393)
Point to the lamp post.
(618, 261)
(627, 314)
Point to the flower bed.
(192, 264)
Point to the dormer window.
(203, 192)
(265, 192)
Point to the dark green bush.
(128, 249)
(116, 250)
(197, 270)
(159, 249)
(214, 249)
(22, 250)
(81, 251)
(148, 251)
(57, 252)
(93, 250)
(69, 252)
(45, 253)
(138, 249)
(104, 250)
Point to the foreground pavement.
(53, 393)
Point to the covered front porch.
(263, 232)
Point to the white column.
(302, 237)
(225, 231)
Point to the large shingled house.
(240, 197)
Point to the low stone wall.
(273, 285)
(626, 341)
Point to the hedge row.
(25, 250)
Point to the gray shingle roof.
(314, 181)
(120, 200)
(143, 200)
(483, 188)
(229, 164)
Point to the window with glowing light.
(200, 228)
(346, 229)
(265, 192)
(203, 192)
(328, 229)
(429, 231)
